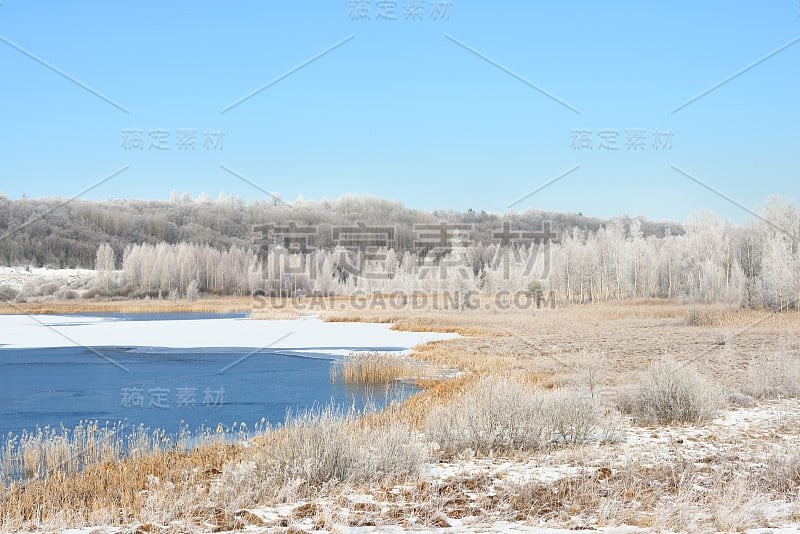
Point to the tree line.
(712, 260)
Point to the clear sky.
(463, 104)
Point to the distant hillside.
(66, 233)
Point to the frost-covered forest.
(62, 233)
(706, 259)
(713, 261)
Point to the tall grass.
(712, 315)
(115, 492)
(50, 450)
(376, 368)
(61, 451)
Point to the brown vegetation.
(376, 368)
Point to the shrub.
(96, 292)
(66, 294)
(7, 293)
(775, 375)
(503, 414)
(673, 392)
(328, 445)
(47, 289)
(570, 416)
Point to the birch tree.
(104, 264)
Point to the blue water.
(163, 388)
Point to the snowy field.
(307, 335)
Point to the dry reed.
(377, 368)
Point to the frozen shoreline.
(306, 335)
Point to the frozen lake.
(172, 369)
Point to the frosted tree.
(192, 291)
(616, 246)
(324, 281)
(714, 261)
(104, 264)
(780, 230)
(635, 237)
(391, 263)
(130, 265)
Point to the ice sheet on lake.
(300, 336)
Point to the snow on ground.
(754, 434)
(17, 277)
(751, 434)
(302, 336)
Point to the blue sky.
(413, 109)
